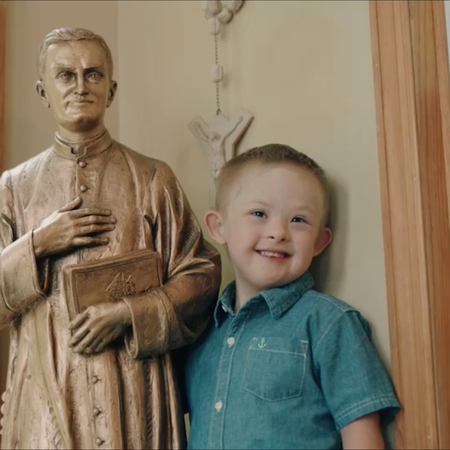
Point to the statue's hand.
(70, 227)
(98, 325)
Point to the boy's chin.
(279, 283)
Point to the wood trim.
(413, 107)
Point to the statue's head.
(75, 78)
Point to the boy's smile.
(272, 226)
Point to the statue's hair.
(269, 154)
(64, 35)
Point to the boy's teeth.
(273, 254)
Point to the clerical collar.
(74, 150)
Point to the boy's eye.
(298, 220)
(258, 214)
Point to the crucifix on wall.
(220, 137)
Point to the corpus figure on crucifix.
(219, 139)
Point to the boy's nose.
(277, 231)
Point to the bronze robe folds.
(125, 396)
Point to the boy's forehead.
(253, 179)
(256, 175)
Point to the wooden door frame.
(411, 74)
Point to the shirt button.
(231, 341)
(97, 411)
(83, 188)
(99, 441)
(95, 379)
(218, 406)
(82, 164)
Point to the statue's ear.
(112, 93)
(214, 224)
(42, 93)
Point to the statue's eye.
(95, 76)
(65, 76)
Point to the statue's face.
(76, 85)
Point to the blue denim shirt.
(289, 370)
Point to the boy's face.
(271, 224)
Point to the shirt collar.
(279, 300)
(72, 150)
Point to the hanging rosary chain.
(216, 45)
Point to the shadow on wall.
(327, 268)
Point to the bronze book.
(110, 279)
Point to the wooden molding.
(410, 65)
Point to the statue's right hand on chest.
(72, 227)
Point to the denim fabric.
(289, 370)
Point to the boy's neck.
(241, 298)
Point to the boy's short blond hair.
(269, 154)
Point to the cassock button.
(95, 379)
(82, 164)
(99, 441)
(97, 411)
(83, 188)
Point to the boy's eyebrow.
(264, 203)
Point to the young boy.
(282, 366)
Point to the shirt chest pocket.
(275, 368)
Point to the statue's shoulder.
(140, 161)
(28, 167)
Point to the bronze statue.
(103, 271)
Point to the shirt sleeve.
(20, 282)
(352, 377)
(176, 313)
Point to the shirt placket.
(236, 326)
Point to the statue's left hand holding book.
(117, 277)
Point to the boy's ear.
(214, 225)
(323, 240)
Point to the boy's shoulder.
(323, 314)
(324, 302)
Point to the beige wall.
(302, 68)
(29, 128)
